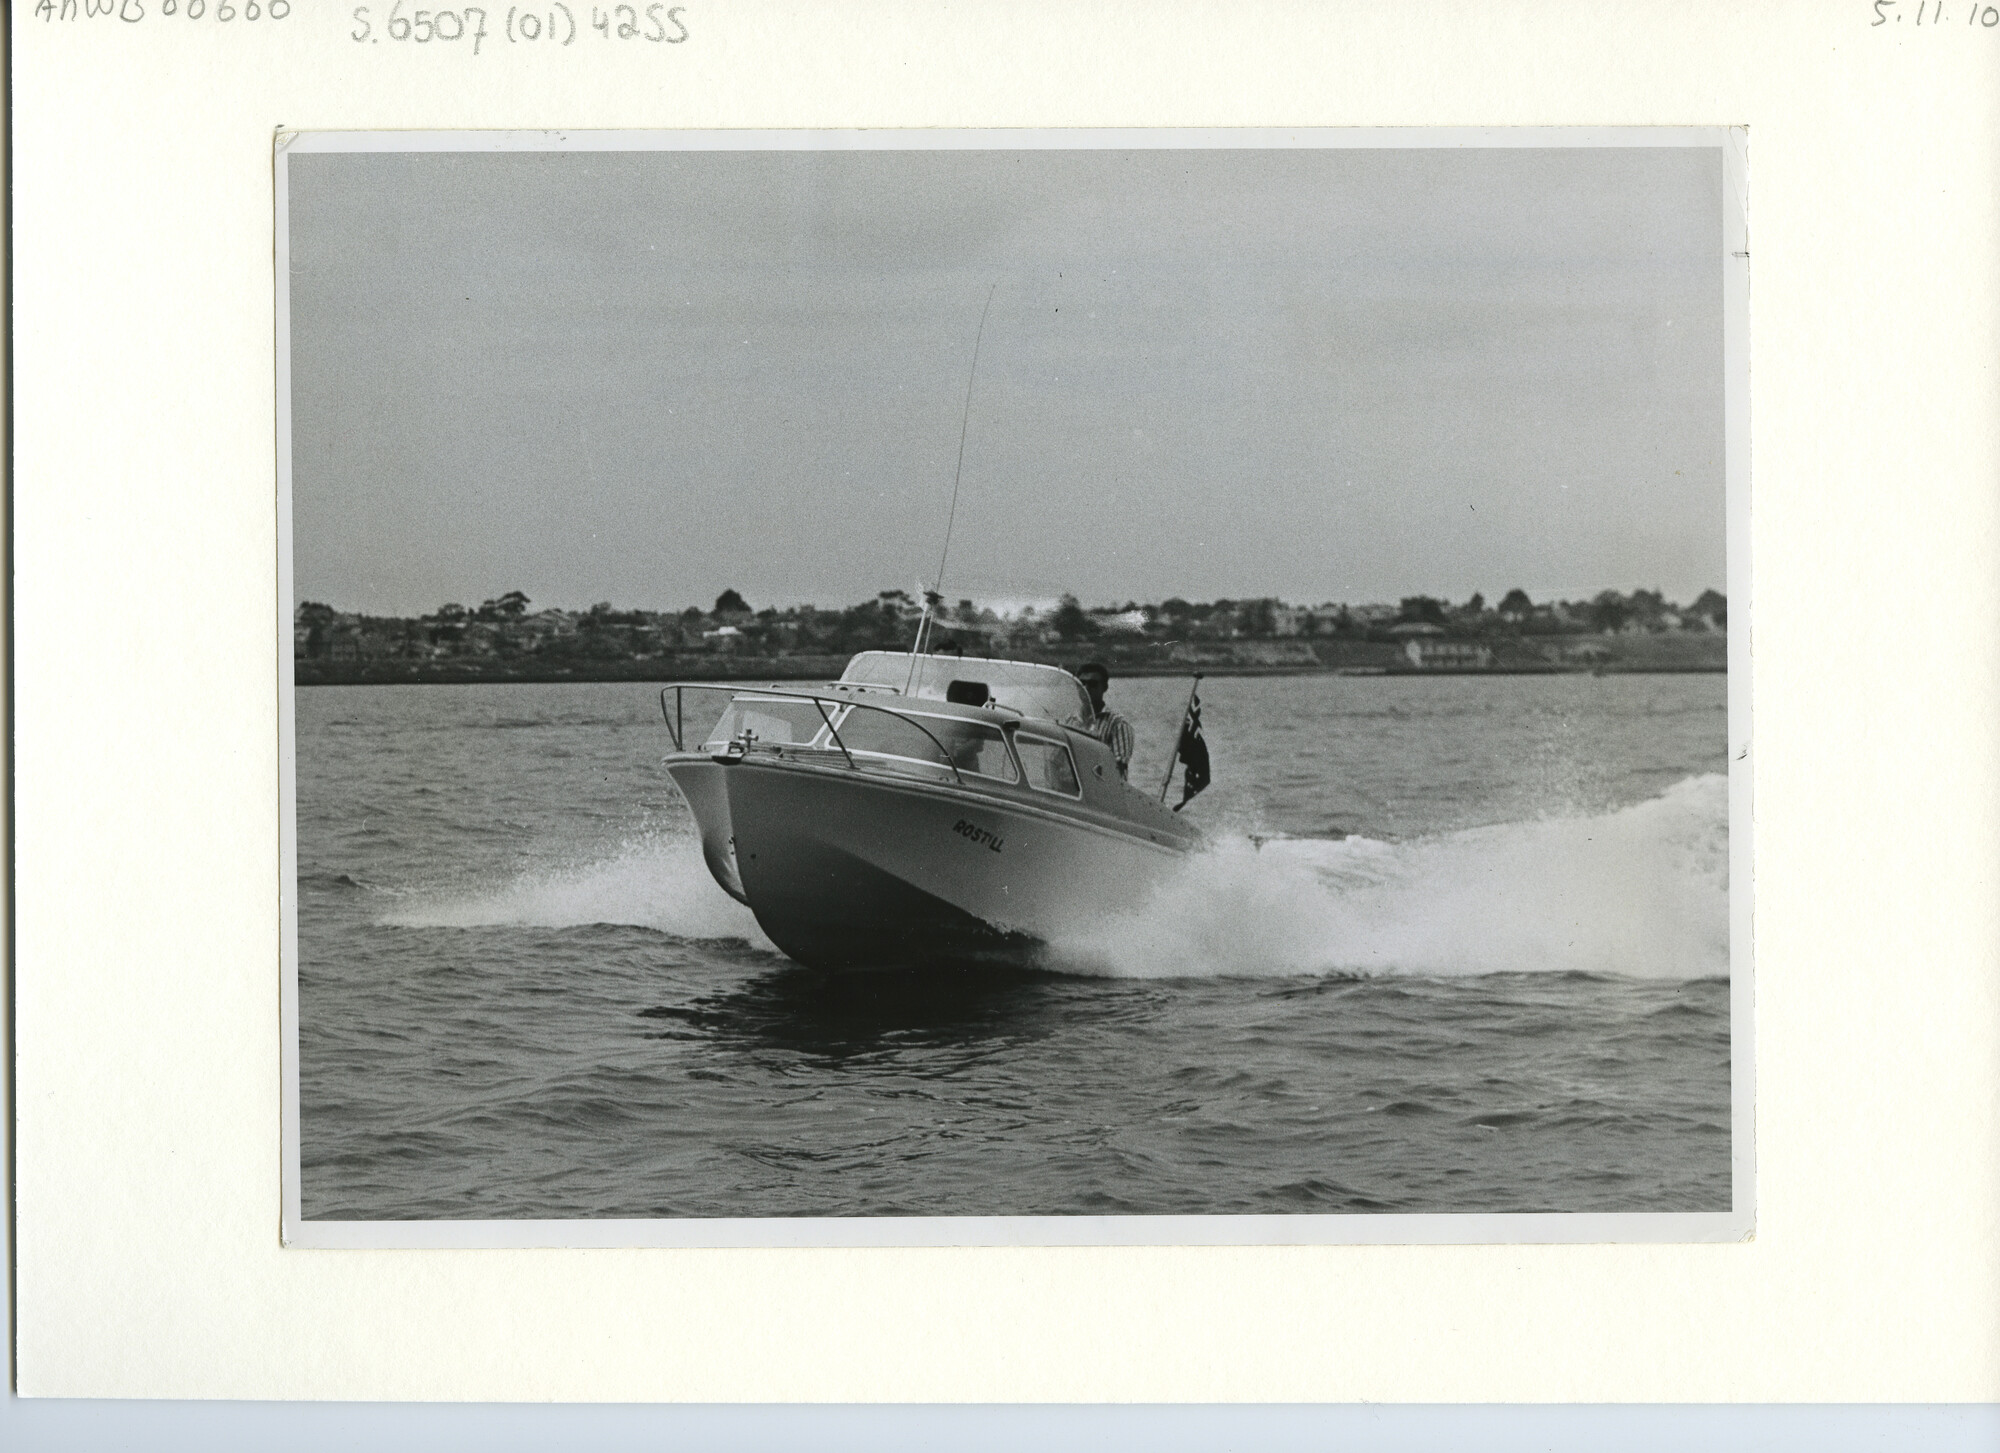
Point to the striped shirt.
(1114, 731)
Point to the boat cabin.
(978, 723)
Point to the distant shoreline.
(407, 673)
(504, 641)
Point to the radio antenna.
(936, 593)
(964, 423)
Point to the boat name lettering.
(973, 833)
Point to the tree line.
(508, 625)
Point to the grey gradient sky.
(1318, 374)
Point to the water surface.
(1460, 944)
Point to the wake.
(1642, 892)
(656, 881)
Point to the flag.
(1192, 753)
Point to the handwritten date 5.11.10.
(1986, 17)
(552, 24)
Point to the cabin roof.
(1033, 690)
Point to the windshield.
(887, 738)
(874, 738)
(774, 721)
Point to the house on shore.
(1430, 654)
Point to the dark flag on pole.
(1192, 754)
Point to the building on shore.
(1430, 654)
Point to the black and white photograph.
(1014, 687)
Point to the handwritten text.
(554, 23)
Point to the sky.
(1323, 375)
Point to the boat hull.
(849, 870)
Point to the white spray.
(1640, 892)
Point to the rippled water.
(1459, 945)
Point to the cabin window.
(975, 748)
(1048, 765)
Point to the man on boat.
(1104, 724)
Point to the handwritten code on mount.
(134, 11)
(553, 23)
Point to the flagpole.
(1175, 755)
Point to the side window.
(975, 747)
(1048, 765)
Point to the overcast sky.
(1318, 374)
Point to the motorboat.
(923, 809)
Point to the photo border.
(1428, 1228)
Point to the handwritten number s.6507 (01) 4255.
(556, 25)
